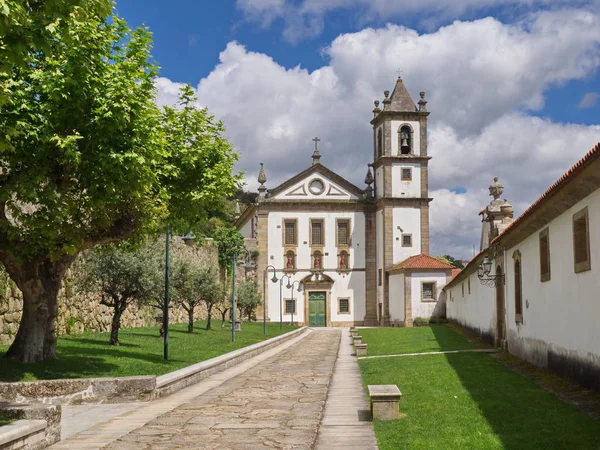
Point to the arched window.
(317, 260)
(518, 289)
(290, 260)
(405, 139)
(379, 144)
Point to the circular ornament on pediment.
(316, 186)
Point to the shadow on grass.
(521, 414)
(101, 342)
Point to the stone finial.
(316, 155)
(369, 181)
(237, 211)
(386, 94)
(262, 179)
(422, 102)
(496, 189)
(376, 110)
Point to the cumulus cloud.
(306, 18)
(483, 78)
(589, 100)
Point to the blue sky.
(513, 86)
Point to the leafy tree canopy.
(230, 242)
(450, 260)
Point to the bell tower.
(400, 163)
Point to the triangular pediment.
(317, 182)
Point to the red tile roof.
(591, 156)
(421, 261)
(455, 272)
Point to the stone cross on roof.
(316, 156)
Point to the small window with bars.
(545, 255)
(428, 294)
(407, 240)
(290, 237)
(344, 306)
(407, 174)
(581, 241)
(317, 232)
(290, 306)
(343, 232)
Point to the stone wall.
(79, 312)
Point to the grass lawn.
(467, 400)
(88, 355)
(5, 421)
(394, 341)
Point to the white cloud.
(306, 18)
(589, 100)
(480, 76)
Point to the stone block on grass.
(357, 340)
(385, 401)
(361, 349)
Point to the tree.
(121, 276)
(90, 160)
(248, 297)
(230, 243)
(193, 284)
(450, 260)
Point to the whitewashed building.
(542, 298)
(345, 244)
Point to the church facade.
(344, 255)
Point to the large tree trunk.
(190, 312)
(39, 281)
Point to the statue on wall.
(290, 264)
(317, 264)
(343, 260)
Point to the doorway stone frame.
(318, 286)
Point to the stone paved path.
(277, 404)
(347, 419)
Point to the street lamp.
(483, 273)
(291, 286)
(166, 299)
(274, 280)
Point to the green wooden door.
(316, 309)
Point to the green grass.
(392, 341)
(5, 421)
(469, 401)
(88, 355)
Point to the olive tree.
(90, 159)
(248, 298)
(121, 277)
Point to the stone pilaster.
(262, 235)
(388, 260)
(387, 137)
(423, 133)
(408, 320)
(425, 228)
(371, 266)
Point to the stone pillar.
(408, 319)
(262, 235)
(388, 261)
(425, 227)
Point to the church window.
(379, 143)
(343, 232)
(380, 277)
(316, 234)
(316, 187)
(518, 287)
(407, 174)
(290, 260)
(290, 306)
(344, 306)
(317, 260)
(544, 255)
(428, 292)
(469, 285)
(405, 138)
(343, 260)
(290, 237)
(581, 241)
(463, 289)
(407, 240)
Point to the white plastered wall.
(419, 307)
(397, 281)
(562, 316)
(406, 189)
(409, 221)
(379, 227)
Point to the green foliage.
(86, 355)
(71, 323)
(230, 242)
(248, 297)
(450, 260)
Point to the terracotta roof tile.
(421, 261)
(558, 184)
(455, 272)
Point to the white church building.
(360, 254)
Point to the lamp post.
(274, 280)
(166, 299)
(233, 297)
(291, 286)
